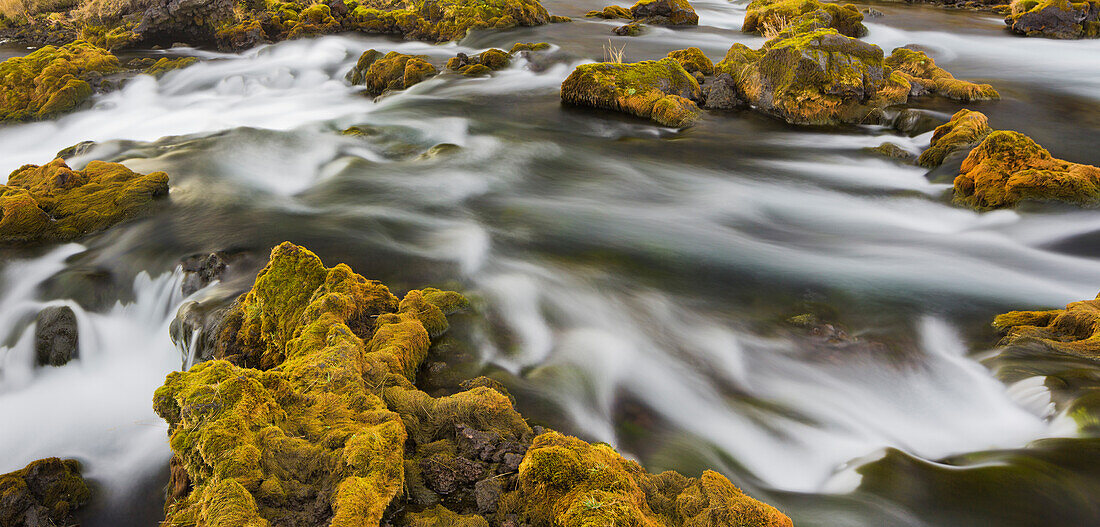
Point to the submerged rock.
(1008, 167)
(924, 76)
(773, 16)
(51, 80)
(963, 132)
(53, 202)
(56, 339)
(314, 420)
(394, 71)
(818, 77)
(44, 493)
(200, 270)
(1060, 19)
(659, 90)
(1074, 330)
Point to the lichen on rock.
(659, 90)
(53, 202)
(45, 492)
(51, 80)
(923, 74)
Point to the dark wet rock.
(893, 151)
(445, 474)
(193, 20)
(56, 339)
(871, 12)
(1059, 19)
(43, 494)
(487, 493)
(200, 270)
(721, 94)
(913, 122)
(664, 12)
(632, 29)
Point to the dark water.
(631, 281)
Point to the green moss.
(964, 131)
(45, 492)
(693, 60)
(1008, 167)
(51, 80)
(165, 65)
(611, 12)
(394, 71)
(762, 16)
(528, 46)
(918, 68)
(53, 202)
(659, 90)
(110, 39)
(481, 64)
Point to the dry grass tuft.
(773, 26)
(611, 53)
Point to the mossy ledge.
(310, 417)
(45, 492)
(659, 90)
(52, 202)
(51, 80)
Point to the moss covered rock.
(818, 77)
(392, 71)
(53, 202)
(693, 60)
(771, 16)
(924, 76)
(481, 64)
(963, 132)
(51, 80)
(1060, 19)
(1008, 167)
(664, 13)
(611, 12)
(1074, 330)
(165, 65)
(45, 492)
(566, 481)
(659, 90)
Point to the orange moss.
(1074, 330)
(965, 130)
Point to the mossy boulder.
(924, 76)
(1008, 167)
(392, 71)
(1059, 19)
(51, 80)
(769, 16)
(818, 77)
(45, 492)
(1074, 330)
(566, 481)
(53, 202)
(693, 60)
(632, 29)
(165, 65)
(659, 90)
(483, 63)
(611, 12)
(963, 132)
(520, 47)
(664, 13)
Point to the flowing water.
(631, 281)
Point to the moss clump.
(1074, 330)
(763, 16)
(53, 202)
(659, 90)
(566, 481)
(693, 60)
(165, 65)
(51, 80)
(921, 71)
(393, 71)
(1060, 19)
(45, 492)
(1008, 167)
(519, 47)
(483, 63)
(109, 38)
(817, 77)
(611, 12)
(964, 131)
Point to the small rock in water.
(44, 493)
(55, 336)
(722, 95)
(199, 270)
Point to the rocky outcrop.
(53, 202)
(312, 418)
(51, 80)
(170, 21)
(925, 77)
(1008, 167)
(392, 71)
(1074, 330)
(1060, 19)
(44, 493)
(659, 90)
(961, 134)
(772, 16)
(56, 340)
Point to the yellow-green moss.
(110, 39)
(1008, 167)
(1060, 19)
(51, 80)
(45, 492)
(528, 46)
(918, 68)
(53, 202)
(1074, 330)
(611, 12)
(764, 15)
(440, 516)
(693, 60)
(394, 71)
(566, 481)
(659, 90)
(965, 130)
(165, 65)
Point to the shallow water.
(631, 280)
